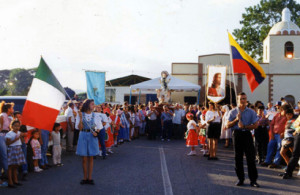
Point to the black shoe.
(24, 177)
(239, 183)
(18, 184)
(91, 182)
(215, 158)
(11, 186)
(274, 166)
(264, 164)
(254, 184)
(210, 158)
(286, 176)
(206, 155)
(104, 157)
(84, 181)
(281, 174)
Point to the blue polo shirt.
(249, 117)
(166, 116)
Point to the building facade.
(281, 63)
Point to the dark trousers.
(167, 129)
(243, 143)
(261, 141)
(101, 138)
(24, 166)
(178, 132)
(295, 156)
(152, 129)
(76, 136)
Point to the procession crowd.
(94, 130)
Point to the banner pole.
(139, 97)
(232, 69)
(198, 98)
(130, 96)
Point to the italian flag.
(44, 99)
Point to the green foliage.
(18, 81)
(257, 22)
(82, 96)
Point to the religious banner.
(216, 78)
(95, 86)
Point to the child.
(115, 125)
(202, 135)
(288, 140)
(36, 148)
(109, 141)
(191, 134)
(15, 155)
(56, 150)
(261, 134)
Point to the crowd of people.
(94, 130)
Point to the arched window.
(289, 50)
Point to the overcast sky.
(117, 36)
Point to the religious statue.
(164, 93)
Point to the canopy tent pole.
(139, 96)
(130, 97)
(198, 98)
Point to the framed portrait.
(216, 80)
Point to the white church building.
(281, 63)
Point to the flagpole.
(232, 70)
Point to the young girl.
(288, 140)
(115, 125)
(56, 150)
(87, 146)
(15, 155)
(138, 122)
(191, 134)
(6, 109)
(36, 148)
(132, 122)
(109, 141)
(202, 133)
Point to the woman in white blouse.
(213, 118)
(88, 146)
(225, 132)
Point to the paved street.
(153, 167)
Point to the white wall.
(123, 91)
(278, 62)
(286, 85)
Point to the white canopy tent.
(175, 84)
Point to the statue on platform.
(164, 93)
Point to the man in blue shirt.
(166, 122)
(177, 121)
(242, 120)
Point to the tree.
(257, 22)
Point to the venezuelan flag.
(243, 63)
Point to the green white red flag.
(44, 99)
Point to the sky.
(120, 37)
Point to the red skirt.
(192, 138)
(202, 139)
(109, 141)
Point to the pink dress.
(36, 147)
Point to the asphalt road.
(153, 167)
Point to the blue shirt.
(177, 117)
(166, 116)
(249, 117)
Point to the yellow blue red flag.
(243, 63)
